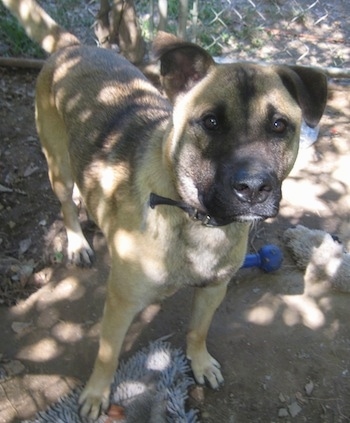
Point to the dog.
(174, 183)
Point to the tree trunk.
(102, 27)
(163, 14)
(117, 24)
(183, 14)
(194, 21)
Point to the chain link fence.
(314, 32)
(306, 32)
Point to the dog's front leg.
(119, 313)
(204, 366)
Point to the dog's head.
(236, 129)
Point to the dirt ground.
(283, 339)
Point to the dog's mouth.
(202, 216)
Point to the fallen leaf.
(30, 170)
(299, 396)
(25, 273)
(283, 412)
(57, 257)
(20, 327)
(309, 387)
(282, 397)
(24, 245)
(13, 367)
(294, 409)
(5, 189)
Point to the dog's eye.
(279, 126)
(210, 123)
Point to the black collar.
(195, 214)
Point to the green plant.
(68, 13)
(14, 41)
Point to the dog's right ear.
(182, 64)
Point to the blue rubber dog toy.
(269, 258)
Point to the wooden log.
(20, 62)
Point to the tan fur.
(103, 126)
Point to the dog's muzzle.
(246, 197)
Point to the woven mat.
(150, 387)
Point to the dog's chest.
(211, 254)
(199, 256)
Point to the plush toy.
(319, 253)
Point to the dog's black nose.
(252, 188)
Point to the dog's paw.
(206, 368)
(79, 252)
(92, 404)
(82, 258)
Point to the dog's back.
(119, 106)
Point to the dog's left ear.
(309, 88)
(182, 64)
